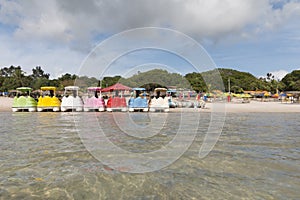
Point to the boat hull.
(49, 108)
(94, 104)
(24, 103)
(138, 104)
(47, 103)
(116, 104)
(159, 104)
(71, 104)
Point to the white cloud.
(279, 74)
(56, 61)
(58, 34)
(77, 21)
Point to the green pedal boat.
(23, 101)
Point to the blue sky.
(256, 36)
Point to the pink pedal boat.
(94, 101)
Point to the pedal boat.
(138, 101)
(171, 93)
(160, 102)
(116, 102)
(48, 100)
(71, 101)
(94, 101)
(23, 101)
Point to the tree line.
(13, 77)
(218, 79)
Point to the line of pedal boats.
(94, 101)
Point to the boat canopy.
(72, 88)
(142, 89)
(160, 89)
(172, 90)
(24, 89)
(98, 89)
(48, 88)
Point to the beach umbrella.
(245, 96)
(282, 94)
(236, 95)
(260, 95)
(267, 94)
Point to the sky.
(256, 36)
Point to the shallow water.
(44, 156)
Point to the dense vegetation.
(13, 77)
(292, 81)
(238, 81)
(156, 78)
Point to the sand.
(253, 106)
(5, 104)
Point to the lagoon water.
(43, 156)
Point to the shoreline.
(252, 107)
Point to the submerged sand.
(253, 106)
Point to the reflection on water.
(256, 157)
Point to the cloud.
(279, 74)
(54, 61)
(59, 34)
(77, 22)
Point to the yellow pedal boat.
(48, 100)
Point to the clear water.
(43, 157)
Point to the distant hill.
(292, 81)
(206, 81)
(156, 78)
(239, 81)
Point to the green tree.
(38, 72)
(156, 77)
(239, 81)
(109, 81)
(39, 78)
(292, 81)
(196, 81)
(84, 82)
(13, 77)
(67, 79)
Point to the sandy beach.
(253, 106)
(256, 106)
(5, 104)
